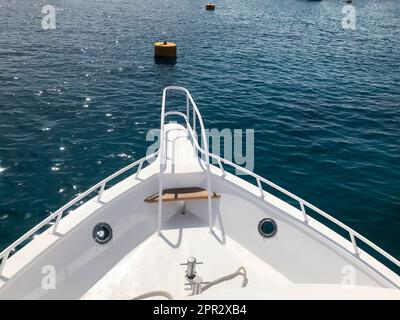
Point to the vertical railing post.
(160, 194)
(57, 222)
(207, 161)
(194, 124)
(303, 209)
(260, 187)
(3, 262)
(187, 110)
(101, 192)
(139, 169)
(353, 241)
(160, 182)
(161, 156)
(221, 167)
(209, 194)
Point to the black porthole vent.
(102, 233)
(267, 228)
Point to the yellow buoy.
(210, 6)
(165, 49)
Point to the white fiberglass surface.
(156, 265)
(139, 260)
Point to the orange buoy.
(165, 49)
(210, 6)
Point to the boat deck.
(140, 272)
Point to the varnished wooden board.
(179, 194)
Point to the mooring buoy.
(165, 49)
(210, 6)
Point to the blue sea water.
(77, 102)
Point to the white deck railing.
(302, 203)
(57, 215)
(354, 235)
(196, 116)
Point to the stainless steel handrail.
(303, 203)
(354, 235)
(189, 102)
(57, 215)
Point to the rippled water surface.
(77, 102)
